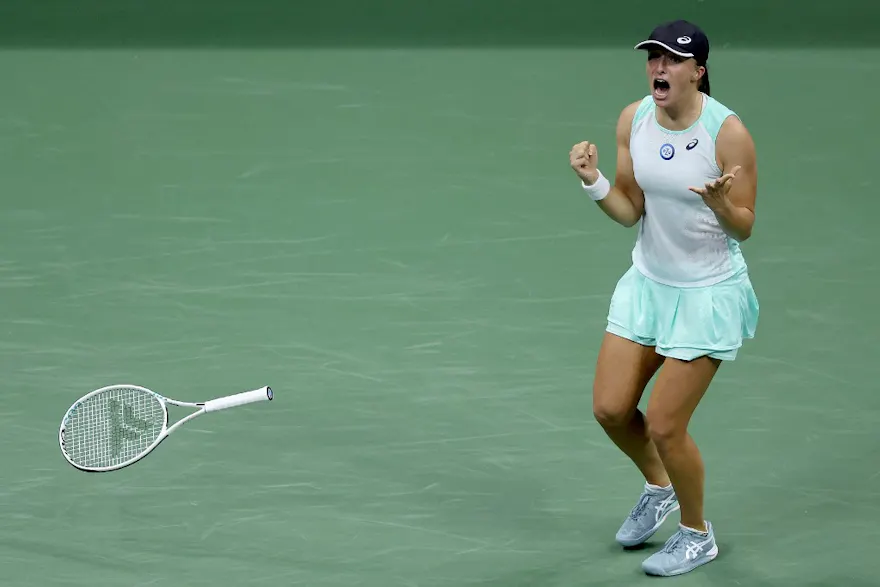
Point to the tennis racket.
(118, 425)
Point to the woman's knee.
(612, 415)
(665, 429)
(623, 370)
(679, 389)
(613, 407)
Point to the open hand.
(715, 192)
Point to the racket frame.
(246, 397)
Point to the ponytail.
(704, 81)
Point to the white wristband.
(598, 190)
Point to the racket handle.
(239, 399)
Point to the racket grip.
(239, 399)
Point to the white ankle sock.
(694, 530)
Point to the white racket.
(115, 426)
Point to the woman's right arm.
(624, 202)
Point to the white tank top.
(680, 242)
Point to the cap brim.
(651, 42)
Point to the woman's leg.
(623, 369)
(678, 390)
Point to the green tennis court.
(392, 239)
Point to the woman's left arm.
(732, 196)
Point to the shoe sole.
(710, 556)
(651, 532)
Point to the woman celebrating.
(687, 175)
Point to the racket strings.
(112, 427)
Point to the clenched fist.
(584, 158)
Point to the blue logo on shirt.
(667, 151)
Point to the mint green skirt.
(685, 323)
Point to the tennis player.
(686, 175)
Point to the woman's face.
(670, 77)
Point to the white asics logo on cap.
(683, 40)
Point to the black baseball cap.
(680, 37)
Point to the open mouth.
(661, 88)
